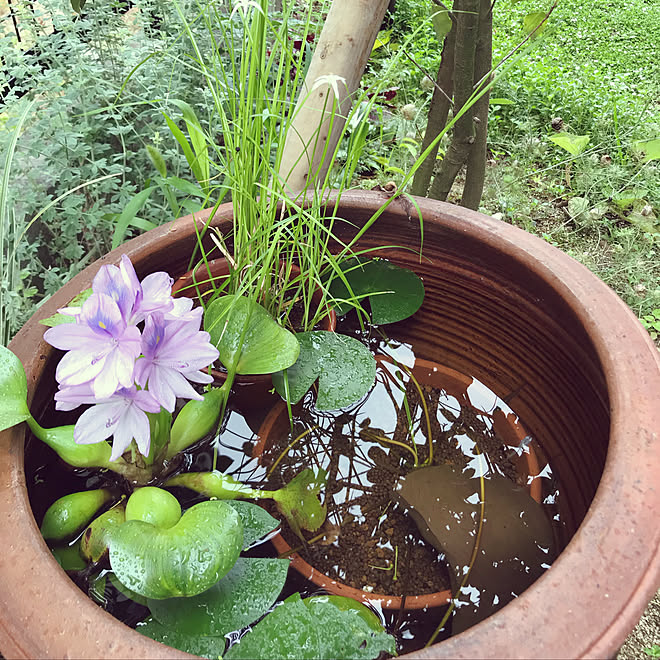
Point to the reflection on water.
(484, 506)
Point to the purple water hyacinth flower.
(122, 285)
(174, 351)
(156, 296)
(101, 348)
(69, 398)
(123, 416)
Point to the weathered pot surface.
(532, 324)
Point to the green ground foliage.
(591, 82)
(567, 157)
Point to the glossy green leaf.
(13, 390)
(184, 560)
(202, 647)
(60, 439)
(299, 501)
(240, 598)
(289, 631)
(346, 604)
(574, 144)
(94, 541)
(249, 340)
(125, 591)
(69, 557)
(69, 515)
(394, 293)
(344, 367)
(313, 628)
(257, 522)
(195, 420)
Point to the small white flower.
(330, 79)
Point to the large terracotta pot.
(537, 328)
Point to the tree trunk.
(476, 162)
(438, 113)
(341, 54)
(467, 25)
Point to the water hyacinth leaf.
(13, 390)
(201, 646)
(248, 591)
(94, 542)
(344, 367)
(60, 439)
(394, 293)
(257, 522)
(69, 557)
(70, 514)
(125, 591)
(299, 501)
(185, 559)
(346, 604)
(574, 144)
(289, 631)
(349, 628)
(249, 340)
(195, 420)
(312, 628)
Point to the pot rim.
(628, 487)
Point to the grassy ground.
(593, 73)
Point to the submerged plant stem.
(284, 453)
(429, 432)
(382, 438)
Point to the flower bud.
(195, 420)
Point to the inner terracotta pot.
(535, 327)
(507, 427)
